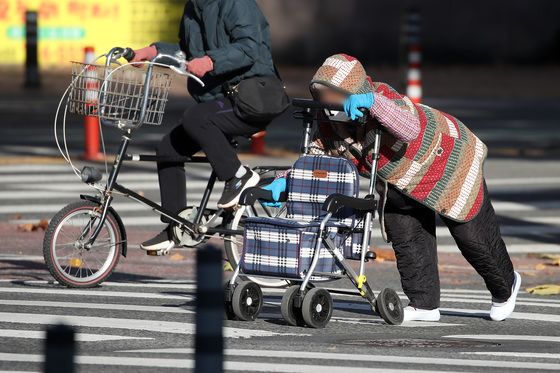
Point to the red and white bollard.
(414, 75)
(257, 143)
(91, 122)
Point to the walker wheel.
(228, 307)
(247, 301)
(317, 308)
(390, 307)
(290, 312)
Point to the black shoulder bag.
(259, 99)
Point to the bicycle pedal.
(157, 252)
(161, 252)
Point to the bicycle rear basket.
(117, 93)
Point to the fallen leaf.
(228, 267)
(30, 227)
(26, 227)
(550, 256)
(43, 224)
(547, 289)
(540, 266)
(176, 257)
(385, 254)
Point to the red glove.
(145, 54)
(200, 66)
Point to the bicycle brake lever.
(187, 74)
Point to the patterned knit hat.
(343, 73)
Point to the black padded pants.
(411, 227)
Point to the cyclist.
(225, 42)
(430, 164)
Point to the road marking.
(97, 293)
(507, 206)
(228, 365)
(360, 321)
(523, 181)
(551, 220)
(524, 248)
(415, 360)
(502, 337)
(451, 295)
(130, 324)
(97, 306)
(534, 355)
(52, 178)
(487, 301)
(464, 312)
(34, 168)
(81, 337)
(486, 314)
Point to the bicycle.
(85, 239)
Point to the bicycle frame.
(195, 227)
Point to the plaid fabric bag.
(285, 246)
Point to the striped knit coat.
(442, 167)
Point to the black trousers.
(209, 127)
(411, 227)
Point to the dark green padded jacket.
(236, 36)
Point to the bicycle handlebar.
(180, 59)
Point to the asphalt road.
(142, 321)
(149, 326)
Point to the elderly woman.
(430, 164)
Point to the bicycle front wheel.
(69, 261)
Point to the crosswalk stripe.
(95, 293)
(462, 311)
(523, 181)
(446, 296)
(96, 306)
(130, 324)
(228, 365)
(80, 337)
(533, 355)
(354, 357)
(509, 337)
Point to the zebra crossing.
(127, 326)
(529, 213)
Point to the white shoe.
(501, 311)
(417, 314)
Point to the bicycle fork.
(107, 193)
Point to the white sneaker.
(417, 314)
(501, 311)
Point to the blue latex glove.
(276, 187)
(353, 104)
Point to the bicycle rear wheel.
(68, 260)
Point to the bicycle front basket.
(117, 93)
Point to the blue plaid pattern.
(307, 192)
(285, 247)
(281, 247)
